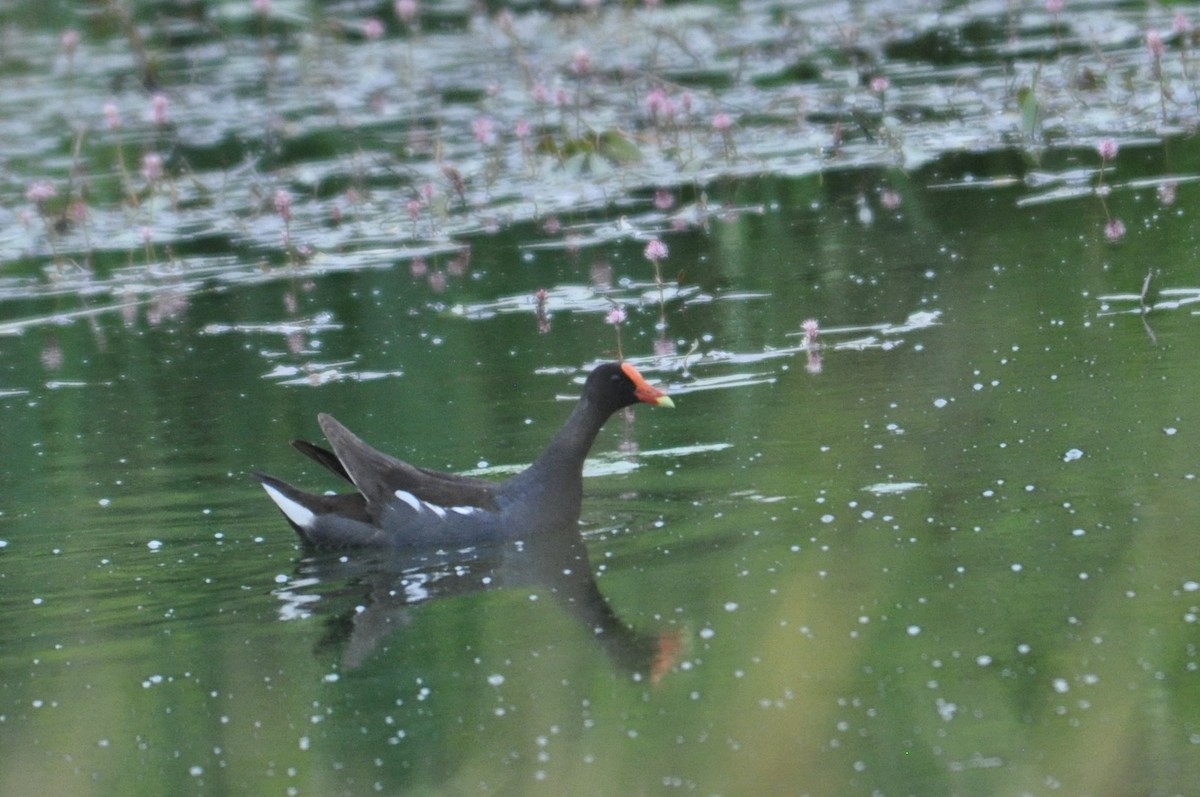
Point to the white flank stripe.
(301, 515)
(463, 510)
(437, 510)
(409, 499)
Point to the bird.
(397, 504)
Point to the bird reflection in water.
(391, 583)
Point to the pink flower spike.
(581, 62)
(112, 117)
(1154, 43)
(522, 130)
(484, 131)
(658, 103)
(262, 7)
(1107, 147)
(663, 199)
(1055, 6)
(1181, 25)
(70, 42)
(656, 250)
(616, 316)
(373, 29)
(152, 167)
(722, 122)
(406, 11)
(880, 84)
(811, 330)
(158, 109)
(283, 204)
(40, 192)
(1114, 230)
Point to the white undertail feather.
(301, 515)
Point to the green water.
(950, 549)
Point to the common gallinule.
(400, 504)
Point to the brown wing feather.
(378, 475)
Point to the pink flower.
(659, 104)
(811, 330)
(1154, 43)
(722, 122)
(406, 11)
(373, 29)
(484, 131)
(581, 62)
(418, 267)
(616, 316)
(262, 7)
(522, 130)
(70, 42)
(656, 250)
(889, 198)
(1107, 147)
(663, 199)
(152, 167)
(1055, 6)
(112, 117)
(40, 192)
(283, 204)
(158, 109)
(1114, 230)
(880, 84)
(414, 209)
(1181, 25)
(541, 95)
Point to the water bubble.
(1072, 454)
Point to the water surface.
(946, 548)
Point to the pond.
(922, 521)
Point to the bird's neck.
(565, 453)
